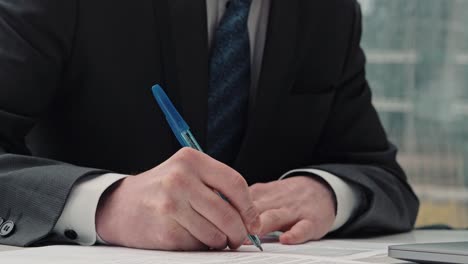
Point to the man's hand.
(174, 207)
(302, 207)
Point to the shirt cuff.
(347, 195)
(77, 221)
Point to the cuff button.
(70, 234)
(7, 228)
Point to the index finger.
(233, 187)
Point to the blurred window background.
(417, 53)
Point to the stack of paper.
(327, 252)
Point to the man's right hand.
(174, 207)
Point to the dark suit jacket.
(75, 80)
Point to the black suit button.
(7, 228)
(71, 234)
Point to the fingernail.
(256, 226)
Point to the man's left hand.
(303, 207)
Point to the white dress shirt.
(80, 209)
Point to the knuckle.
(238, 182)
(186, 154)
(147, 204)
(167, 206)
(176, 179)
(256, 187)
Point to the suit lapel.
(187, 68)
(275, 79)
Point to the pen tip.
(260, 247)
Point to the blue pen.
(186, 139)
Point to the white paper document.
(327, 252)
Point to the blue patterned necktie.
(229, 85)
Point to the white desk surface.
(419, 236)
(8, 248)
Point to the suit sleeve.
(354, 147)
(35, 41)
